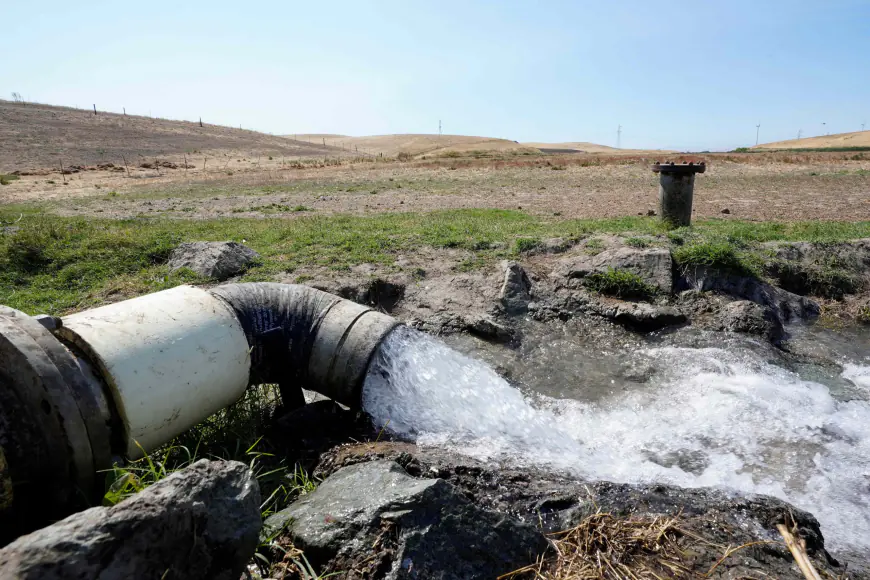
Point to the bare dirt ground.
(750, 186)
(125, 166)
(34, 136)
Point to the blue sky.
(684, 75)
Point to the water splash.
(709, 417)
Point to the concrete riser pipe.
(118, 381)
(675, 198)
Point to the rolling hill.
(35, 136)
(427, 144)
(856, 139)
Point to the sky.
(674, 75)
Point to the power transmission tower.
(439, 127)
(619, 137)
(799, 133)
(757, 129)
(824, 128)
(862, 126)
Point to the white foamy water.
(710, 417)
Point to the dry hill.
(36, 136)
(425, 144)
(413, 144)
(856, 139)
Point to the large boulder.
(653, 265)
(374, 515)
(218, 260)
(516, 290)
(201, 522)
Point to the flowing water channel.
(692, 409)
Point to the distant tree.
(17, 98)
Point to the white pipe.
(170, 358)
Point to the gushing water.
(709, 417)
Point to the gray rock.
(785, 305)
(750, 318)
(201, 522)
(435, 531)
(219, 260)
(643, 317)
(653, 265)
(488, 329)
(852, 255)
(516, 291)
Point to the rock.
(643, 317)
(201, 522)
(651, 213)
(750, 318)
(726, 211)
(219, 260)
(516, 290)
(374, 514)
(653, 265)
(488, 329)
(785, 305)
(851, 255)
(556, 502)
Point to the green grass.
(716, 255)
(7, 179)
(59, 264)
(635, 242)
(620, 284)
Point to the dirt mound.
(36, 136)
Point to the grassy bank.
(56, 265)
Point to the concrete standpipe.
(676, 190)
(81, 393)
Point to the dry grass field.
(840, 140)
(237, 173)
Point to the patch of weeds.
(6, 179)
(50, 181)
(523, 245)
(303, 278)
(112, 194)
(470, 264)
(637, 242)
(821, 280)
(721, 256)
(558, 167)
(594, 246)
(620, 284)
(301, 208)
(863, 315)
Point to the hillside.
(425, 144)
(856, 139)
(36, 136)
(413, 144)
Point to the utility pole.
(619, 137)
(757, 129)
(799, 133)
(439, 127)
